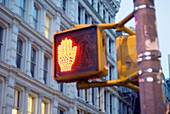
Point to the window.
(85, 94)
(30, 105)
(1, 41)
(61, 87)
(35, 17)
(110, 46)
(43, 107)
(3, 2)
(19, 53)
(78, 93)
(104, 16)
(60, 111)
(47, 27)
(78, 112)
(87, 18)
(105, 98)
(92, 3)
(93, 97)
(109, 19)
(79, 14)
(16, 102)
(111, 104)
(110, 73)
(45, 69)
(64, 6)
(33, 61)
(22, 8)
(98, 8)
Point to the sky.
(162, 8)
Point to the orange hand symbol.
(66, 54)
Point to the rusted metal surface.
(150, 78)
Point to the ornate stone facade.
(26, 33)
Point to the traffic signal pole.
(149, 69)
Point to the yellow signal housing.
(126, 56)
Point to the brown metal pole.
(149, 69)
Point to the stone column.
(102, 99)
(76, 11)
(106, 16)
(95, 4)
(10, 94)
(57, 2)
(82, 16)
(13, 43)
(89, 19)
(101, 9)
(70, 90)
(90, 95)
(108, 102)
(96, 96)
(42, 20)
(55, 25)
(28, 57)
(27, 90)
(71, 110)
(115, 105)
(55, 105)
(40, 97)
(4, 89)
(71, 9)
(30, 15)
(41, 65)
(12, 5)
(7, 34)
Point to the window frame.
(22, 8)
(111, 103)
(98, 8)
(99, 97)
(111, 72)
(20, 54)
(61, 109)
(64, 6)
(1, 41)
(93, 96)
(47, 104)
(35, 16)
(33, 103)
(34, 63)
(61, 87)
(5, 39)
(105, 100)
(46, 69)
(3, 2)
(80, 14)
(47, 28)
(17, 102)
(104, 15)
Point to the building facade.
(26, 82)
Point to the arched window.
(19, 54)
(45, 69)
(33, 61)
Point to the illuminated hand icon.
(66, 54)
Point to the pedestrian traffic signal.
(126, 55)
(79, 54)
